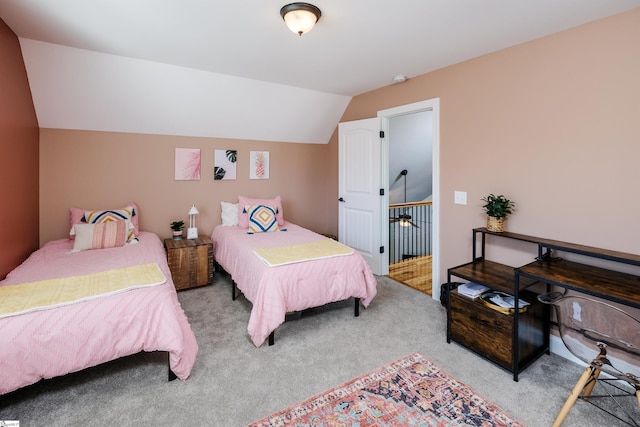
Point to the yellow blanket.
(320, 249)
(44, 294)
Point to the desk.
(476, 327)
(598, 282)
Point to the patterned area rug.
(409, 392)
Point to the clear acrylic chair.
(607, 339)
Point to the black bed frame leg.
(233, 290)
(172, 376)
(272, 337)
(356, 309)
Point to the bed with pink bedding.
(276, 291)
(50, 342)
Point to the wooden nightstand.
(190, 261)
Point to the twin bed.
(114, 302)
(308, 271)
(107, 291)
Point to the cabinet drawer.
(482, 329)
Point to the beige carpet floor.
(234, 383)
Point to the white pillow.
(229, 214)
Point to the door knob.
(341, 199)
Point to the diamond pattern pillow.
(243, 202)
(110, 215)
(76, 216)
(262, 218)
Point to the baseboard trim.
(556, 346)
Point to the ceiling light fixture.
(404, 219)
(300, 17)
(400, 78)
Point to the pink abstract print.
(187, 166)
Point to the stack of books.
(471, 290)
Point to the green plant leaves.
(176, 225)
(498, 206)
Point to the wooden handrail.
(404, 205)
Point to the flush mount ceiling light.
(400, 78)
(300, 17)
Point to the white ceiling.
(232, 68)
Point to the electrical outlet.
(460, 197)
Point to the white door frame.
(432, 105)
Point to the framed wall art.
(259, 165)
(187, 164)
(224, 165)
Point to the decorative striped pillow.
(101, 235)
(262, 219)
(110, 215)
(76, 216)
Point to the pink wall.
(18, 157)
(554, 124)
(107, 169)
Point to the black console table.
(514, 340)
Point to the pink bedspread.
(275, 291)
(54, 342)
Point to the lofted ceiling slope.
(232, 69)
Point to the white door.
(359, 184)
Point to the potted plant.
(177, 227)
(497, 209)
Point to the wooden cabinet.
(492, 333)
(512, 340)
(516, 339)
(190, 261)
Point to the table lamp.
(192, 231)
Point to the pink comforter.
(275, 291)
(52, 342)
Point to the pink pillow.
(243, 217)
(101, 235)
(76, 214)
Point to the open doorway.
(410, 199)
(431, 106)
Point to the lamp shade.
(193, 210)
(300, 17)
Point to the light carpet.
(234, 383)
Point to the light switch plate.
(460, 197)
